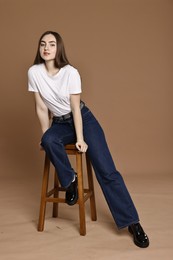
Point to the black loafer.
(72, 193)
(139, 236)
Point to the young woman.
(57, 88)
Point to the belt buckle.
(61, 118)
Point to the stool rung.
(62, 200)
(55, 200)
(52, 191)
(88, 195)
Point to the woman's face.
(48, 47)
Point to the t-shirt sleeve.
(74, 83)
(31, 83)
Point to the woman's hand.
(81, 146)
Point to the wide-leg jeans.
(112, 184)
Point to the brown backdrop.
(123, 50)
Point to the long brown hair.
(60, 58)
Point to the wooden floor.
(19, 239)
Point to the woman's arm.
(75, 107)
(42, 112)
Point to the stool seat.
(84, 194)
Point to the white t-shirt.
(55, 90)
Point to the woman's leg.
(53, 141)
(110, 180)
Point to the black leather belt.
(66, 116)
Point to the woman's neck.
(50, 67)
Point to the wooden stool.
(53, 194)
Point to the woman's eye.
(49, 45)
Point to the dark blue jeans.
(110, 180)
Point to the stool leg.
(91, 188)
(43, 194)
(56, 195)
(81, 194)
